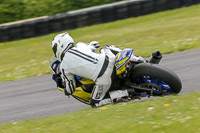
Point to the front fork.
(154, 59)
(139, 90)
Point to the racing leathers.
(82, 61)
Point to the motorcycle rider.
(81, 60)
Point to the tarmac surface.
(38, 97)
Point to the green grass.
(167, 32)
(170, 114)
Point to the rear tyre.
(157, 72)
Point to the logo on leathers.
(99, 93)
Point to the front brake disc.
(154, 87)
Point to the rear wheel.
(156, 77)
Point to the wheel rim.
(159, 87)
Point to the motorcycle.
(145, 77)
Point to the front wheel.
(156, 77)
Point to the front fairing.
(122, 59)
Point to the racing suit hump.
(80, 60)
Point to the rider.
(81, 60)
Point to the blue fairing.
(165, 87)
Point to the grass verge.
(170, 114)
(169, 31)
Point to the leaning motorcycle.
(145, 77)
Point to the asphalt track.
(38, 97)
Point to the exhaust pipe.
(155, 58)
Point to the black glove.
(57, 78)
(57, 74)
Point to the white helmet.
(61, 44)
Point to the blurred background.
(61, 15)
(13, 10)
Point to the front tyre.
(156, 77)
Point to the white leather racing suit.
(82, 61)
